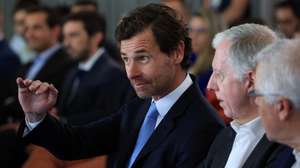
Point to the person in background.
(92, 6)
(84, 5)
(180, 8)
(96, 87)
(18, 42)
(287, 18)
(243, 143)
(276, 93)
(12, 153)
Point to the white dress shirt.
(87, 65)
(297, 158)
(247, 137)
(165, 103)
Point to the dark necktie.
(145, 132)
(75, 85)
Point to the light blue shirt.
(40, 61)
(87, 65)
(165, 103)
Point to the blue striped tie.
(145, 132)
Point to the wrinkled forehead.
(141, 41)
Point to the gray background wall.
(114, 9)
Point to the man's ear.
(97, 38)
(56, 31)
(178, 54)
(249, 80)
(283, 108)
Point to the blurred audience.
(97, 86)
(12, 153)
(51, 63)
(231, 11)
(179, 6)
(287, 18)
(84, 5)
(92, 6)
(202, 28)
(17, 42)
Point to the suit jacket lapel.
(225, 143)
(261, 153)
(168, 123)
(127, 143)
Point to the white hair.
(245, 42)
(279, 71)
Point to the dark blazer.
(53, 71)
(283, 158)
(9, 65)
(181, 140)
(221, 148)
(102, 91)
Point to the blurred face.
(38, 34)
(76, 40)
(19, 22)
(151, 72)
(286, 21)
(198, 32)
(230, 91)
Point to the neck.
(250, 113)
(177, 80)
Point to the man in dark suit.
(277, 81)
(243, 143)
(102, 87)
(51, 63)
(177, 129)
(9, 65)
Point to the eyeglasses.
(197, 30)
(255, 93)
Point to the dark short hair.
(93, 22)
(52, 19)
(86, 2)
(25, 5)
(168, 31)
(293, 5)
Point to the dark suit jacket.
(283, 158)
(221, 148)
(181, 140)
(53, 71)
(101, 91)
(9, 65)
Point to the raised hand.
(36, 98)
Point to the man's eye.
(143, 59)
(125, 59)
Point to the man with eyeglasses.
(243, 142)
(277, 95)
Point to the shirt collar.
(165, 103)
(87, 65)
(254, 127)
(297, 155)
(45, 55)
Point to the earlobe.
(284, 109)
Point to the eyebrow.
(137, 52)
